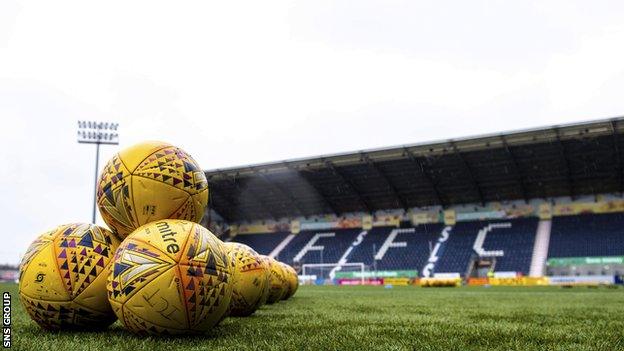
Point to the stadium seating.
(587, 235)
(571, 236)
(262, 243)
(411, 257)
(365, 251)
(334, 246)
(516, 242)
(458, 248)
(415, 254)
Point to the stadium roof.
(566, 160)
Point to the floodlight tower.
(92, 132)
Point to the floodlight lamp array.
(93, 132)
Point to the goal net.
(323, 272)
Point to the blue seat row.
(587, 235)
(571, 236)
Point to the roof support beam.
(365, 205)
(424, 168)
(317, 190)
(618, 156)
(466, 166)
(285, 194)
(568, 169)
(382, 175)
(517, 170)
(252, 196)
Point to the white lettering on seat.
(390, 242)
(310, 245)
(478, 244)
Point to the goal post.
(330, 269)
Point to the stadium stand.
(458, 249)
(572, 236)
(414, 255)
(522, 165)
(365, 252)
(587, 235)
(516, 243)
(334, 243)
(262, 243)
(531, 168)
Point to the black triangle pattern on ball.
(204, 276)
(83, 254)
(113, 196)
(64, 315)
(116, 209)
(135, 263)
(174, 167)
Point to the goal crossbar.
(335, 267)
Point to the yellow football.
(251, 282)
(292, 280)
(266, 263)
(278, 283)
(170, 277)
(148, 182)
(62, 282)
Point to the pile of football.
(156, 270)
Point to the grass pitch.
(374, 318)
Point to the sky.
(239, 82)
